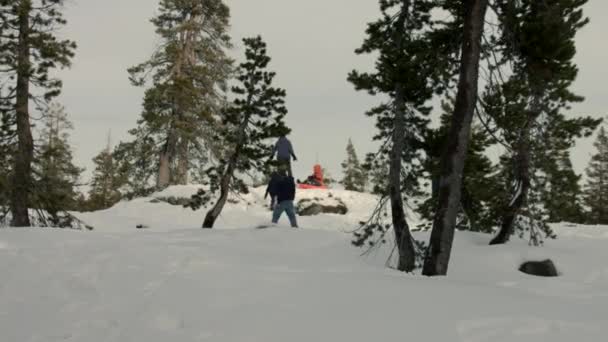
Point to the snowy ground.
(177, 282)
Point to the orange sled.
(315, 181)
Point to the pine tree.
(108, 180)
(596, 188)
(538, 47)
(56, 178)
(189, 73)
(406, 72)
(138, 161)
(256, 115)
(29, 51)
(478, 184)
(560, 192)
(355, 178)
(377, 171)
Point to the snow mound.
(244, 210)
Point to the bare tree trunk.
(181, 176)
(167, 155)
(403, 237)
(214, 213)
(453, 158)
(22, 178)
(522, 186)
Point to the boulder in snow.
(545, 268)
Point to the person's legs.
(291, 213)
(276, 213)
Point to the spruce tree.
(108, 180)
(377, 170)
(406, 73)
(355, 178)
(559, 186)
(596, 188)
(537, 44)
(56, 178)
(478, 182)
(138, 161)
(255, 116)
(29, 52)
(188, 75)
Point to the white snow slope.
(176, 282)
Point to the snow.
(177, 282)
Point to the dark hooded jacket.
(272, 188)
(286, 189)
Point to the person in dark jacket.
(284, 151)
(286, 193)
(271, 190)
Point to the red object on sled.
(315, 181)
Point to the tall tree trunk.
(181, 176)
(22, 178)
(403, 237)
(453, 158)
(214, 213)
(522, 186)
(166, 158)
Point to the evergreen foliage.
(355, 178)
(479, 185)
(537, 44)
(56, 178)
(560, 189)
(407, 71)
(29, 52)
(254, 118)
(188, 75)
(596, 188)
(139, 161)
(109, 178)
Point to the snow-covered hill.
(177, 282)
(244, 211)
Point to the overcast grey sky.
(311, 43)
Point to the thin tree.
(596, 188)
(456, 144)
(256, 115)
(56, 178)
(355, 177)
(29, 51)
(109, 176)
(538, 40)
(414, 58)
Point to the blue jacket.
(286, 189)
(283, 149)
